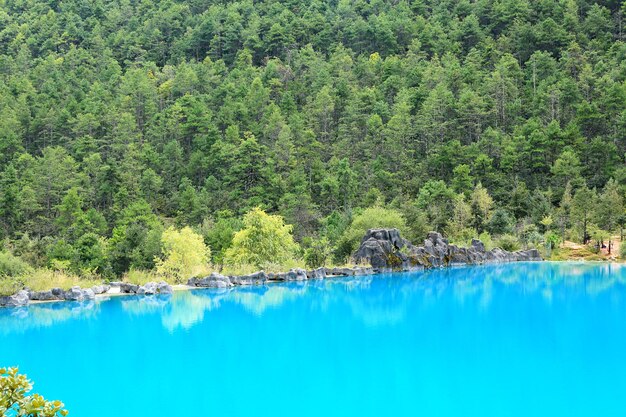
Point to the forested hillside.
(121, 118)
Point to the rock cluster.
(149, 288)
(385, 250)
(216, 280)
(23, 297)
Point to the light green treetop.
(264, 238)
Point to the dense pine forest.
(125, 121)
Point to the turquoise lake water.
(528, 339)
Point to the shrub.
(317, 253)
(508, 242)
(218, 234)
(530, 236)
(552, 240)
(15, 401)
(185, 254)
(461, 237)
(140, 276)
(622, 250)
(264, 238)
(485, 237)
(9, 286)
(12, 266)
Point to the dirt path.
(579, 249)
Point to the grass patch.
(44, 279)
(9, 286)
(575, 254)
(141, 277)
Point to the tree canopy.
(123, 118)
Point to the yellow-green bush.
(184, 254)
(14, 400)
(264, 238)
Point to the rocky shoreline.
(384, 249)
(76, 293)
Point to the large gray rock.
(18, 299)
(88, 294)
(42, 296)
(149, 288)
(276, 276)
(101, 289)
(58, 293)
(74, 294)
(214, 280)
(319, 273)
(128, 288)
(256, 278)
(164, 288)
(477, 245)
(297, 274)
(382, 248)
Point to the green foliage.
(582, 210)
(16, 400)
(218, 234)
(485, 237)
(12, 266)
(552, 240)
(371, 218)
(184, 254)
(264, 238)
(317, 253)
(501, 222)
(113, 129)
(136, 239)
(481, 204)
(508, 243)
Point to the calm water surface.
(508, 340)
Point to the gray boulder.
(319, 273)
(128, 288)
(58, 293)
(256, 278)
(42, 296)
(297, 274)
(18, 299)
(164, 288)
(149, 288)
(382, 248)
(363, 271)
(101, 289)
(477, 245)
(214, 280)
(74, 294)
(277, 276)
(88, 294)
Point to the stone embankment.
(384, 249)
(76, 293)
(216, 280)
